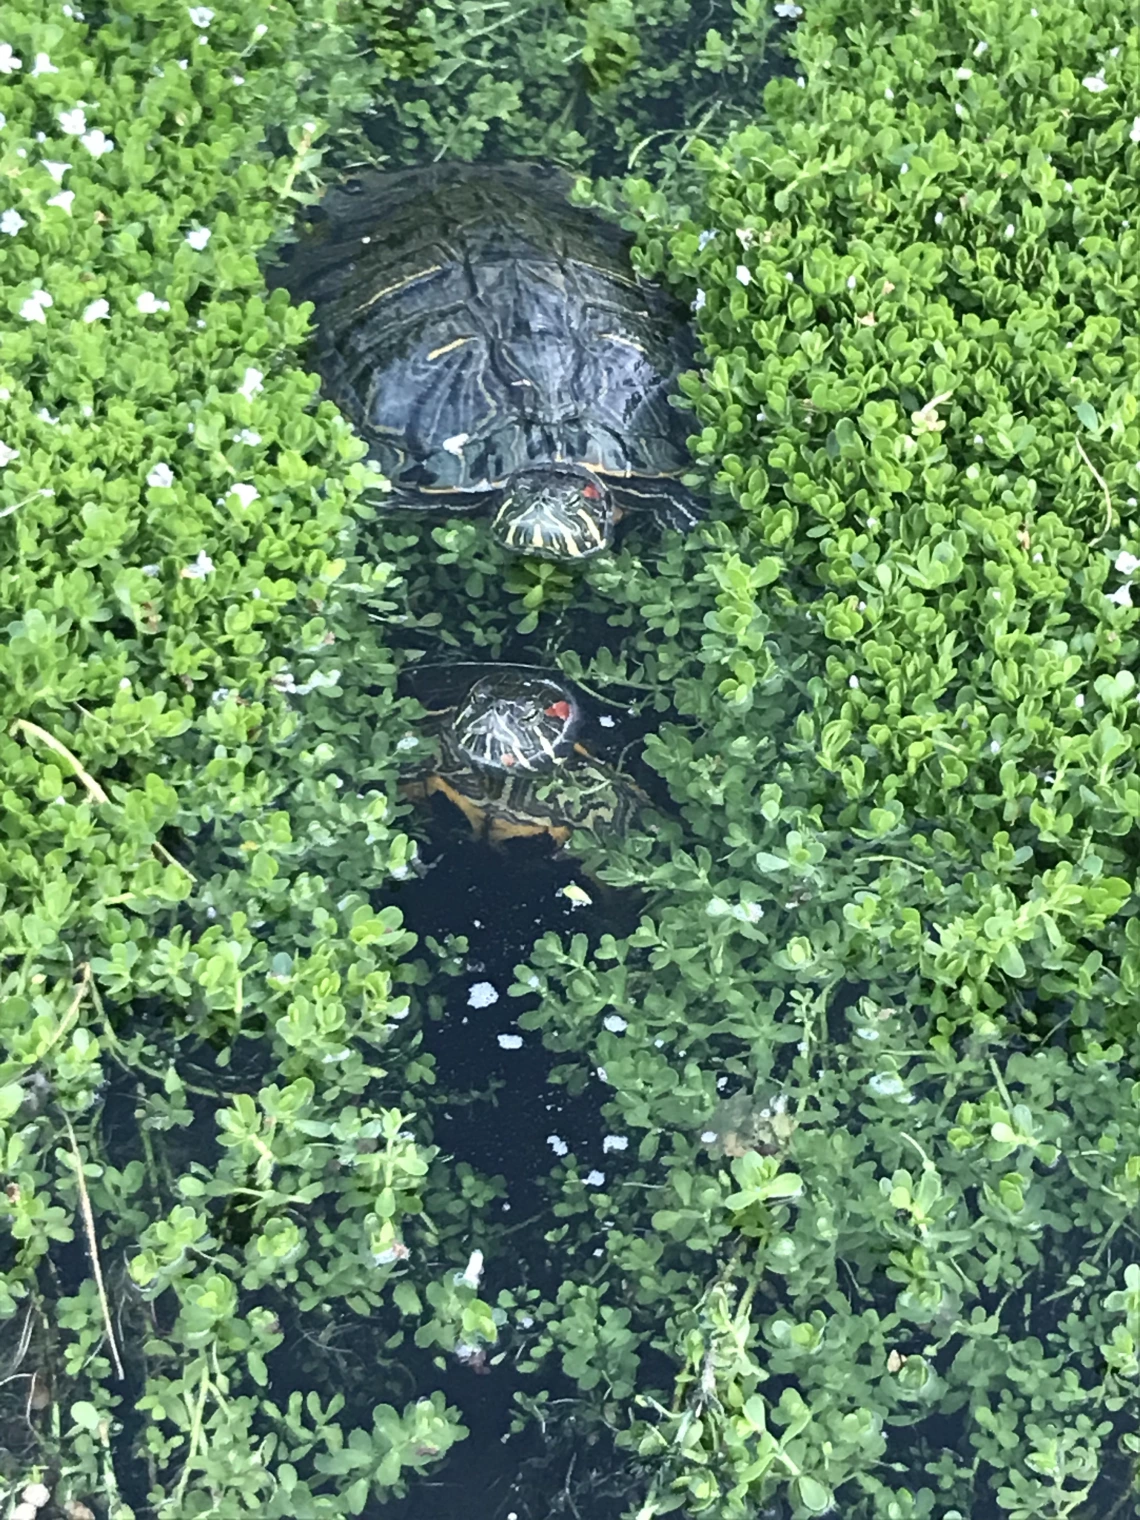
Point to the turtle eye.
(558, 710)
(591, 493)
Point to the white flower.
(11, 222)
(853, 682)
(995, 746)
(557, 1144)
(615, 1143)
(473, 1270)
(851, 282)
(744, 274)
(963, 73)
(615, 1023)
(63, 200)
(55, 169)
(9, 63)
(705, 238)
(198, 238)
(73, 122)
(1009, 229)
(1126, 563)
(96, 144)
(247, 435)
(510, 1041)
(888, 93)
(594, 1178)
(246, 494)
(251, 383)
(788, 11)
(3, 121)
(45, 416)
(33, 308)
(1094, 83)
(904, 168)
(7, 454)
(200, 15)
(1134, 135)
(42, 65)
(161, 476)
(1123, 597)
(709, 1137)
(938, 218)
(200, 568)
(698, 301)
(149, 303)
(1079, 699)
(96, 311)
(982, 47)
(482, 995)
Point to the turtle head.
(555, 511)
(511, 721)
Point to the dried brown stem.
(93, 1248)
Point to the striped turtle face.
(513, 722)
(555, 511)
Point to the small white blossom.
(96, 144)
(938, 218)
(63, 200)
(709, 1137)
(11, 222)
(45, 416)
(851, 282)
(199, 569)
(510, 1041)
(982, 47)
(615, 1023)
(55, 169)
(963, 73)
(473, 1270)
(853, 682)
(73, 122)
(904, 168)
(594, 1178)
(42, 65)
(557, 1144)
(161, 476)
(33, 308)
(149, 303)
(198, 238)
(1126, 563)
(9, 63)
(1134, 134)
(251, 383)
(248, 435)
(1094, 83)
(1079, 699)
(7, 454)
(237, 78)
(482, 995)
(1123, 597)
(995, 746)
(698, 301)
(615, 1143)
(200, 15)
(246, 494)
(705, 238)
(787, 10)
(888, 93)
(96, 311)
(1009, 229)
(3, 121)
(744, 274)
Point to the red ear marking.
(558, 710)
(591, 493)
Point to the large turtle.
(510, 759)
(493, 348)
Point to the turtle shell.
(561, 787)
(478, 330)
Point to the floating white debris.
(510, 1041)
(482, 995)
(557, 1144)
(615, 1143)
(594, 1178)
(615, 1023)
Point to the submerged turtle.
(511, 761)
(495, 351)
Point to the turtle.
(510, 758)
(494, 349)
